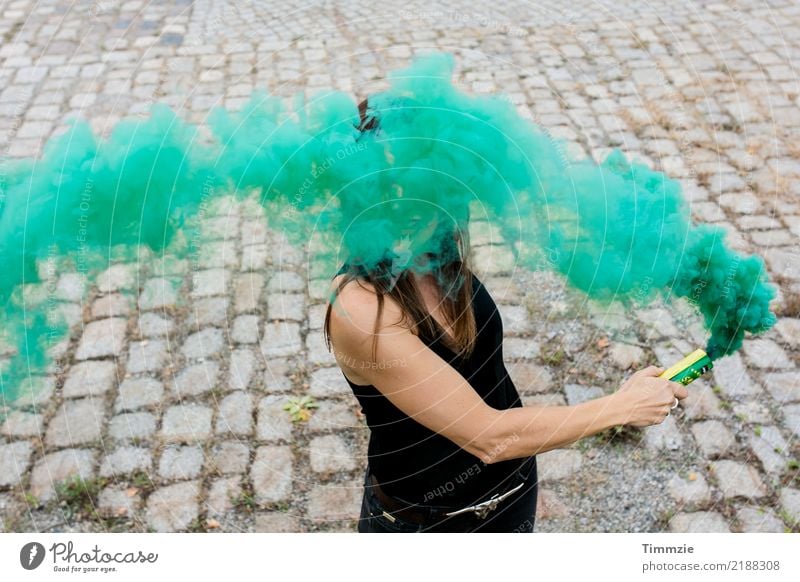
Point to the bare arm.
(437, 396)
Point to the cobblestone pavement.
(168, 395)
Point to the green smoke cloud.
(615, 230)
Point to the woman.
(451, 447)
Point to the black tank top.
(418, 465)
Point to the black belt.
(422, 514)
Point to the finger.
(681, 392)
(651, 371)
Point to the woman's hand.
(645, 399)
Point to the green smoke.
(615, 230)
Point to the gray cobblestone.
(236, 415)
(280, 338)
(528, 377)
(105, 337)
(14, 461)
(520, 349)
(125, 460)
(751, 411)
(515, 319)
(118, 277)
(276, 375)
(204, 343)
(663, 436)
(771, 449)
(577, 394)
(626, 356)
(245, 329)
(159, 293)
(134, 425)
(737, 479)
(115, 501)
(271, 473)
(792, 416)
(701, 402)
(113, 305)
(154, 325)
(181, 462)
(318, 353)
(253, 232)
(331, 415)
(209, 311)
(222, 493)
(713, 437)
(732, 377)
(229, 457)
(789, 330)
(289, 306)
(699, 522)
(242, 369)
(218, 254)
(139, 392)
(329, 454)
(21, 424)
(57, 467)
(174, 507)
(558, 464)
(147, 356)
(329, 382)
(196, 379)
(277, 522)
(76, 422)
(790, 503)
(285, 282)
(274, 423)
(784, 386)
(186, 423)
(693, 490)
(71, 287)
(765, 353)
(759, 520)
(254, 257)
(92, 378)
(335, 501)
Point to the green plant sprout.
(299, 408)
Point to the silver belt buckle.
(482, 509)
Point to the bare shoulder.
(356, 306)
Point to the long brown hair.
(454, 277)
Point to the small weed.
(664, 518)
(197, 525)
(142, 481)
(245, 501)
(787, 518)
(553, 356)
(617, 435)
(299, 408)
(31, 500)
(757, 430)
(791, 304)
(78, 496)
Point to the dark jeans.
(515, 514)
